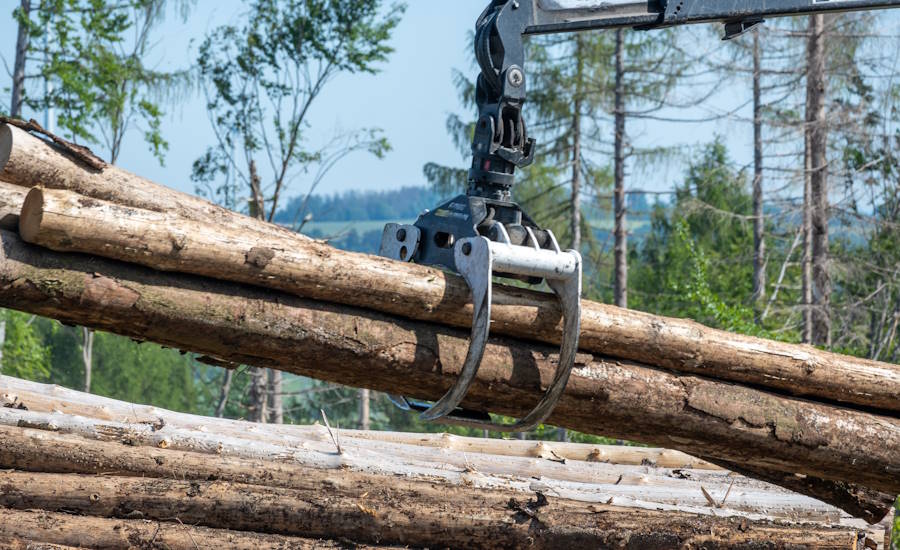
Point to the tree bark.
(817, 130)
(260, 379)
(620, 207)
(365, 349)
(600, 479)
(364, 416)
(382, 511)
(258, 399)
(65, 221)
(575, 199)
(87, 356)
(36, 528)
(806, 331)
(759, 221)
(227, 377)
(18, 76)
(275, 399)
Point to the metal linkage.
(478, 259)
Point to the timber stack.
(82, 470)
(94, 245)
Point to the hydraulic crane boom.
(549, 16)
(484, 233)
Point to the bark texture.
(381, 514)
(365, 349)
(33, 529)
(67, 221)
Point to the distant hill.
(397, 204)
(353, 220)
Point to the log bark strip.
(35, 528)
(258, 253)
(381, 514)
(360, 348)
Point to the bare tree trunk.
(759, 223)
(87, 355)
(575, 220)
(18, 76)
(621, 232)
(223, 393)
(257, 395)
(806, 331)
(816, 127)
(364, 420)
(276, 410)
(259, 377)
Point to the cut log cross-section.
(11, 199)
(205, 239)
(358, 347)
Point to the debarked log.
(362, 348)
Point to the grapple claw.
(477, 259)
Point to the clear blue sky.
(409, 100)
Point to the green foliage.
(262, 79)
(895, 534)
(687, 266)
(102, 85)
(24, 354)
(143, 373)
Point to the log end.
(32, 215)
(6, 139)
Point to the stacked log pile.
(97, 246)
(81, 470)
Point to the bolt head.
(515, 76)
(401, 235)
(467, 248)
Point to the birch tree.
(261, 81)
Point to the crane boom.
(550, 16)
